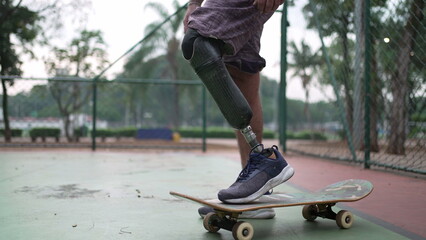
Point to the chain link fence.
(365, 58)
(130, 113)
(372, 54)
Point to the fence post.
(282, 98)
(94, 101)
(367, 76)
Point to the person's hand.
(266, 6)
(191, 8)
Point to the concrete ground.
(64, 194)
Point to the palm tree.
(304, 65)
(167, 38)
(336, 21)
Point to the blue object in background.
(156, 133)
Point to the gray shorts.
(239, 24)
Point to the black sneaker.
(264, 171)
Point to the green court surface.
(119, 195)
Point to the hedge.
(306, 135)
(45, 132)
(126, 132)
(215, 132)
(15, 132)
(212, 132)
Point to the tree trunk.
(359, 94)
(4, 45)
(358, 111)
(399, 84)
(67, 126)
(7, 131)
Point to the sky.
(123, 26)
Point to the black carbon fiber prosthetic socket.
(208, 64)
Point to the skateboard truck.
(214, 221)
(344, 219)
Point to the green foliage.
(45, 132)
(268, 96)
(16, 22)
(218, 132)
(111, 98)
(15, 132)
(81, 132)
(143, 64)
(84, 56)
(126, 132)
(18, 27)
(268, 134)
(211, 132)
(306, 135)
(103, 133)
(418, 117)
(417, 132)
(37, 103)
(215, 132)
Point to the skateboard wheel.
(242, 231)
(344, 219)
(310, 212)
(208, 222)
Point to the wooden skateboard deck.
(344, 191)
(316, 204)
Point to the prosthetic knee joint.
(205, 56)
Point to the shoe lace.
(252, 164)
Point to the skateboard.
(315, 204)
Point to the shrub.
(104, 133)
(215, 132)
(81, 132)
(309, 135)
(306, 135)
(268, 134)
(126, 132)
(44, 132)
(15, 132)
(190, 132)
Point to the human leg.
(249, 84)
(212, 34)
(264, 169)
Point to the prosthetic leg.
(205, 56)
